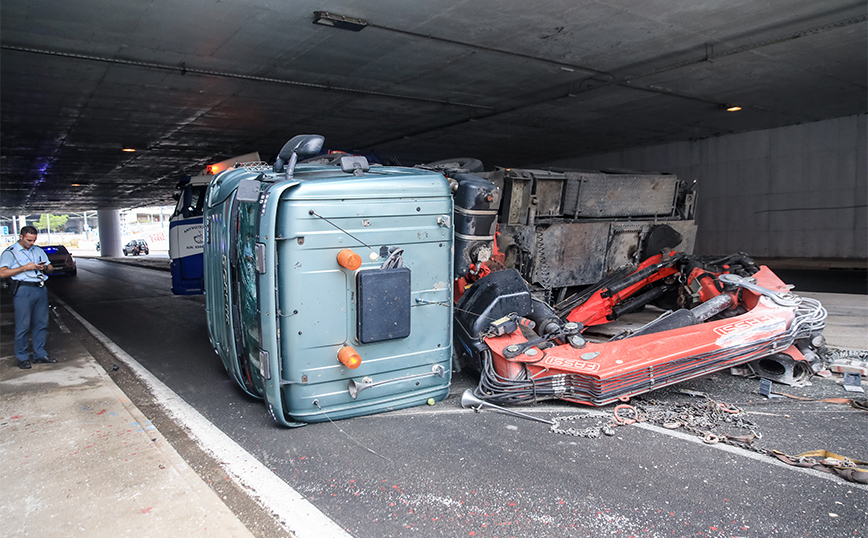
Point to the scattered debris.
(853, 382)
(765, 389)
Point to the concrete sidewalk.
(79, 459)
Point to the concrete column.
(22, 222)
(109, 222)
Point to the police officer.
(25, 264)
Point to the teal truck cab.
(329, 288)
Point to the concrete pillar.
(109, 222)
(22, 222)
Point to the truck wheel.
(330, 159)
(468, 164)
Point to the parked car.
(61, 260)
(136, 247)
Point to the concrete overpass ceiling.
(512, 82)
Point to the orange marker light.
(349, 357)
(349, 259)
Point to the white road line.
(63, 328)
(297, 514)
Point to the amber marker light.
(349, 259)
(349, 357)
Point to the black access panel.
(383, 304)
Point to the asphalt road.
(446, 471)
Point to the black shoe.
(24, 365)
(45, 360)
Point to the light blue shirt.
(18, 256)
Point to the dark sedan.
(61, 260)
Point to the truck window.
(246, 281)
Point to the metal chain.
(705, 419)
(850, 359)
(829, 353)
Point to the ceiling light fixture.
(128, 150)
(339, 21)
(732, 108)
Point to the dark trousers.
(31, 316)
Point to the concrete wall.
(798, 191)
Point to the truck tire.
(468, 164)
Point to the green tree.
(57, 222)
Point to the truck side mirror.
(304, 145)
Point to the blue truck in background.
(186, 231)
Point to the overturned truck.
(342, 288)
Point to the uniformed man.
(26, 264)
